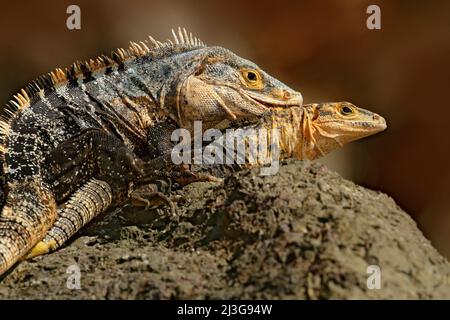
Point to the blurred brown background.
(321, 48)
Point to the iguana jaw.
(215, 103)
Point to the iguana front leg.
(108, 169)
(105, 167)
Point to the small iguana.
(305, 133)
(76, 142)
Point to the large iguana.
(76, 142)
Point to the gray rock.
(305, 233)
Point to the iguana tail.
(29, 211)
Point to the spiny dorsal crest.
(182, 41)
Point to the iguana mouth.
(271, 103)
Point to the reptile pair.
(74, 143)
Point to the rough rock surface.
(305, 233)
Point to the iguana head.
(225, 87)
(328, 126)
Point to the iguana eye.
(346, 110)
(252, 78)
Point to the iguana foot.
(41, 248)
(147, 197)
(196, 177)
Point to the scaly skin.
(306, 132)
(100, 123)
